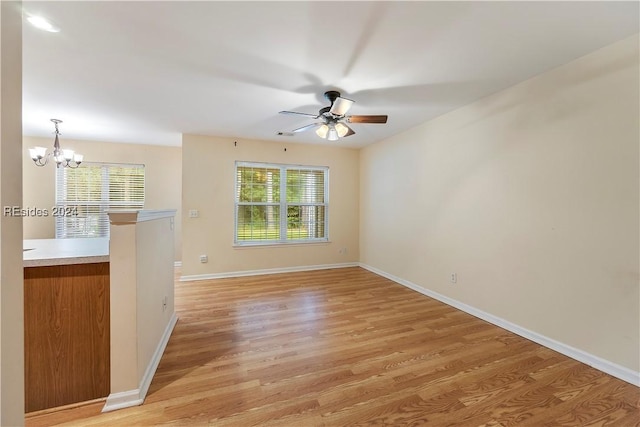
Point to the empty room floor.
(347, 347)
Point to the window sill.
(279, 244)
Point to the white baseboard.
(157, 355)
(123, 399)
(136, 397)
(596, 362)
(266, 271)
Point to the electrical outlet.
(453, 278)
(343, 251)
(193, 213)
(164, 303)
(204, 259)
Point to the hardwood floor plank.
(347, 347)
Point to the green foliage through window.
(87, 192)
(259, 205)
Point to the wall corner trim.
(608, 367)
(126, 399)
(266, 271)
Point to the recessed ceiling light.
(43, 24)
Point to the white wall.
(155, 285)
(531, 196)
(208, 186)
(11, 274)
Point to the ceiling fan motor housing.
(325, 115)
(332, 95)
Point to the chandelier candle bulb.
(37, 153)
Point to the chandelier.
(66, 158)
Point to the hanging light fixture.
(66, 158)
(332, 131)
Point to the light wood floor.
(347, 347)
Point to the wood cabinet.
(67, 347)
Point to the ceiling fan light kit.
(332, 131)
(333, 127)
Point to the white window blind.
(87, 192)
(264, 215)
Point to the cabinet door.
(66, 326)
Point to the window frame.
(283, 205)
(66, 231)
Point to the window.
(280, 203)
(84, 194)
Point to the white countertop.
(46, 252)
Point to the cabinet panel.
(67, 353)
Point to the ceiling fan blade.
(367, 119)
(349, 132)
(315, 116)
(341, 106)
(307, 127)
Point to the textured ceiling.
(146, 72)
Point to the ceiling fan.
(332, 125)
